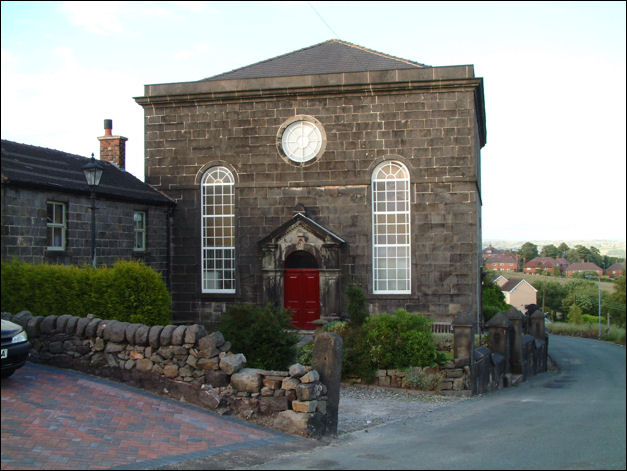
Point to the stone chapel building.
(298, 174)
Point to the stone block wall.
(450, 379)
(182, 362)
(431, 129)
(24, 229)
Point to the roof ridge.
(49, 149)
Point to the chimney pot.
(112, 148)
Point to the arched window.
(218, 231)
(391, 267)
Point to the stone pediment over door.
(302, 235)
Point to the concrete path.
(61, 419)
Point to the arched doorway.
(302, 289)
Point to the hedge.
(129, 291)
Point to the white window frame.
(391, 229)
(217, 231)
(139, 229)
(54, 226)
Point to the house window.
(218, 231)
(56, 225)
(139, 224)
(391, 229)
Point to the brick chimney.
(112, 148)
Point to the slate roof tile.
(329, 57)
(34, 166)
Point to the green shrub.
(356, 355)
(357, 310)
(336, 327)
(588, 319)
(261, 334)
(129, 291)
(388, 341)
(418, 378)
(399, 340)
(304, 354)
(492, 298)
(575, 315)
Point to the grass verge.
(609, 334)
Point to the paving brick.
(59, 419)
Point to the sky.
(553, 167)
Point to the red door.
(302, 296)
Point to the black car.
(15, 347)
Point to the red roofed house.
(583, 267)
(546, 264)
(616, 270)
(501, 262)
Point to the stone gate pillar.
(327, 361)
(516, 318)
(537, 325)
(500, 329)
(463, 339)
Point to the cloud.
(100, 18)
(64, 107)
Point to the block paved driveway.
(61, 419)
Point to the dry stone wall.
(183, 362)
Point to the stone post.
(463, 339)
(499, 328)
(537, 325)
(327, 361)
(516, 318)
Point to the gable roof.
(543, 261)
(329, 57)
(514, 283)
(617, 266)
(583, 266)
(501, 258)
(50, 169)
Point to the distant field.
(530, 277)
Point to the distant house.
(500, 280)
(545, 264)
(489, 250)
(46, 209)
(518, 292)
(583, 267)
(501, 262)
(616, 270)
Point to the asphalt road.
(571, 419)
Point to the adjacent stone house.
(298, 174)
(46, 209)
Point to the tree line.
(579, 297)
(576, 254)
